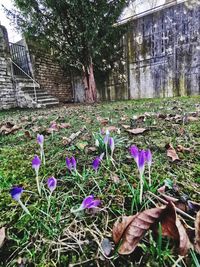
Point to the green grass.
(60, 238)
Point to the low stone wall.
(51, 77)
(7, 92)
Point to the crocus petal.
(87, 201)
(94, 204)
(96, 163)
(16, 193)
(111, 144)
(148, 157)
(73, 163)
(36, 162)
(52, 183)
(106, 138)
(68, 163)
(141, 161)
(40, 139)
(134, 152)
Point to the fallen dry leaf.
(132, 229)
(109, 128)
(181, 148)
(191, 118)
(64, 125)
(2, 235)
(9, 128)
(126, 126)
(171, 152)
(197, 233)
(137, 130)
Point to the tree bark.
(89, 84)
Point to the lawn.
(56, 235)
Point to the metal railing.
(27, 75)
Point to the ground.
(55, 236)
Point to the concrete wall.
(7, 92)
(48, 73)
(161, 55)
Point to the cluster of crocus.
(40, 141)
(71, 163)
(88, 203)
(142, 157)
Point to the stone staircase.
(26, 94)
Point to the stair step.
(47, 100)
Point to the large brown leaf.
(197, 233)
(132, 229)
(172, 227)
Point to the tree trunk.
(89, 84)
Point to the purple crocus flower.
(96, 163)
(71, 163)
(134, 151)
(89, 203)
(148, 157)
(36, 162)
(16, 193)
(141, 161)
(51, 183)
(112, 145)
(36, 165)
(40, 139)
(106, 138)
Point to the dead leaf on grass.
(181, 148)
(64, 125)
(132, 229)
(137, 130)
(27, 134)
(109, 128)
(2, 236)
(191, 118)
(171, 152)
(9, 128)
(126, 126)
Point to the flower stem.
(24, 207)
(38, 184)
(149, 175)
(44, 160)
(141, 188)
(49, 202)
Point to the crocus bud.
(40, 139)
(52, 183)
(16, 193)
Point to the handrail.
(34, 82)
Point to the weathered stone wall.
(161, 54)
(7, 92)
(51, 77)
